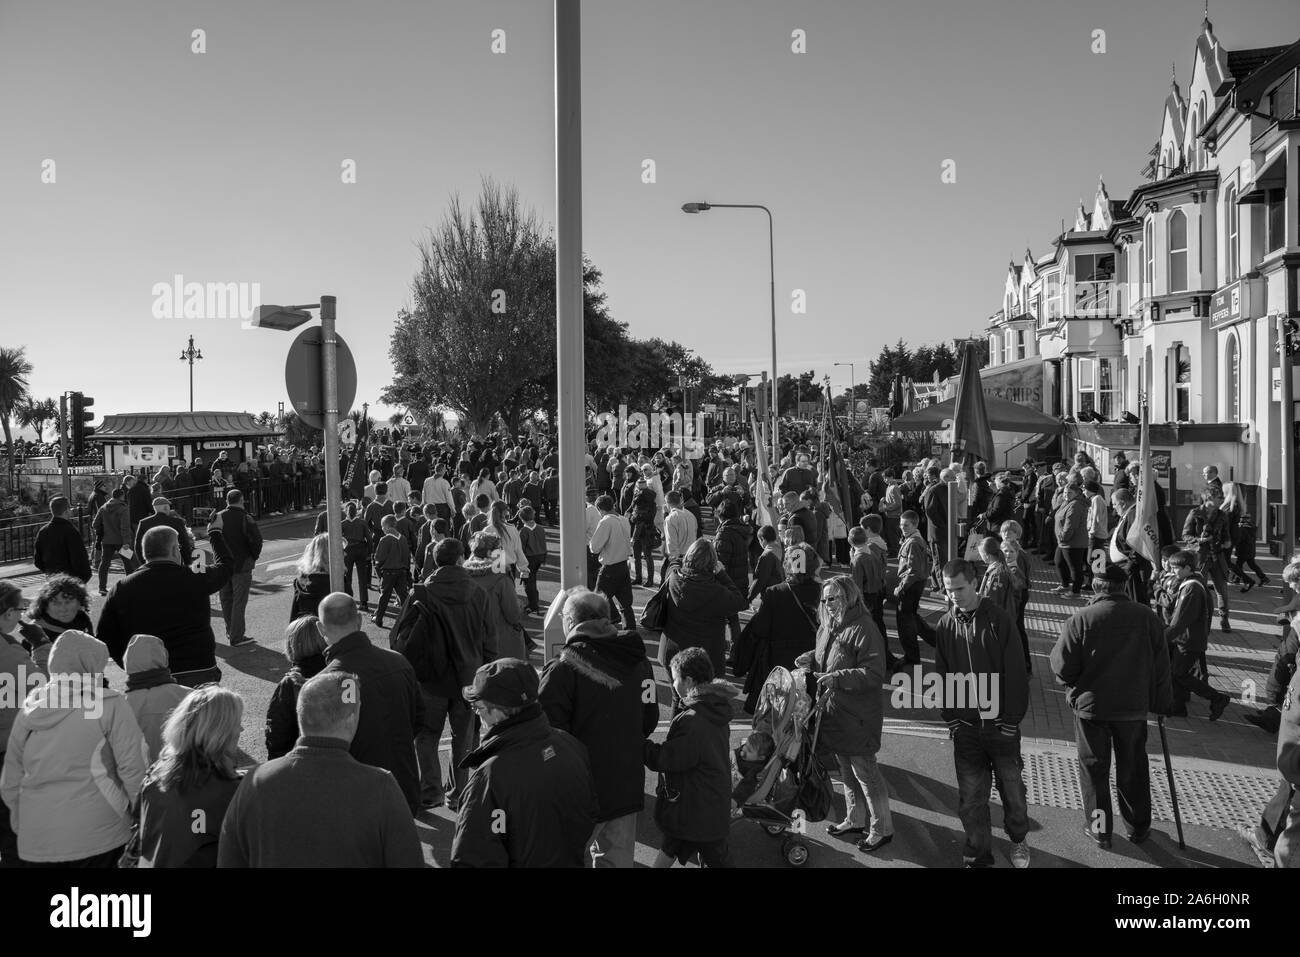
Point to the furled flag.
(761, 481)
(1144, 536)
(970, 431)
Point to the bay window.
(1177, 251)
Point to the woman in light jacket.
(848, 666)
(75, 763)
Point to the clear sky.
(225, 166)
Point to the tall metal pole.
(1288, 443)
(63, 446)
(771, 262)
(333, 490)
(571, 394)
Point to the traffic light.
(1290, 336)
(79, 415)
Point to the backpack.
(424, 636)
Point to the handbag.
(655, 615)
(816, 792)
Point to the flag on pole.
(762, 483)
(1144, 536)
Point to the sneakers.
(1218, 706)
(246, 640)
(1060, 590)
(1138, 837)
(1101, 840)
(1020, 854)
(1223, 624)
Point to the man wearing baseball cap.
(162, 515)
(530, 800)
(1113, 659)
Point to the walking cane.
(1169, 774)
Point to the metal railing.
(262, 497)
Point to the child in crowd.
(393, 561)
(533, 541)
(868, 568)
(747, 763)
(998, 584)
(1018, 561)
(770, 569)
(1164, 586)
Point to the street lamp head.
(695, 207)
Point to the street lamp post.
(189, 355)
(853, 390)
(285, 319)
(771, 260)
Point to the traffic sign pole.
(63, 446)
(330, 406)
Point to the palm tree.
(33, 415)
(14, 370)
(396, 419)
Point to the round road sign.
(304, 380)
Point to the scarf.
(964, 617)
(152, 678)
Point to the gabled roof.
(1242, 63)
(182, 425)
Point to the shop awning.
(1003, 416)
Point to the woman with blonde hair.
(1241, 535)
(188, 789)
(848, 666)
(313, 581)
(305, 648)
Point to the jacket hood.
(77, 653)
(712, 700)
(478, 567)
(736, 527)
(76, 688)
(451, 584)
(600, 652)
(145, 653)
(530, 724)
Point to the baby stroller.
(785, 711)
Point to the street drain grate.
(1205, 798)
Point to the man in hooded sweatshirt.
(75, 763)
(151, 691)
(601, 689)
(979, 660)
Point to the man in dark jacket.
(1113, 659)
(59, 547)
(530, 801)
(166, 599)
(244, 539)
(465, 606)
(601, 689)
(1189, 635)
(1208, 527)
(318, 806)
(934, 503)
(162, 515)
(394, 710)
(137, 499)
(981, 667)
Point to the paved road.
(1224, 770)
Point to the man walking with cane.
(1113, 659)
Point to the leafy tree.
(33, 414)
(299, 433)
(14, 388)
(893, 360)
(790, 390)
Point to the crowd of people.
(549, 769)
